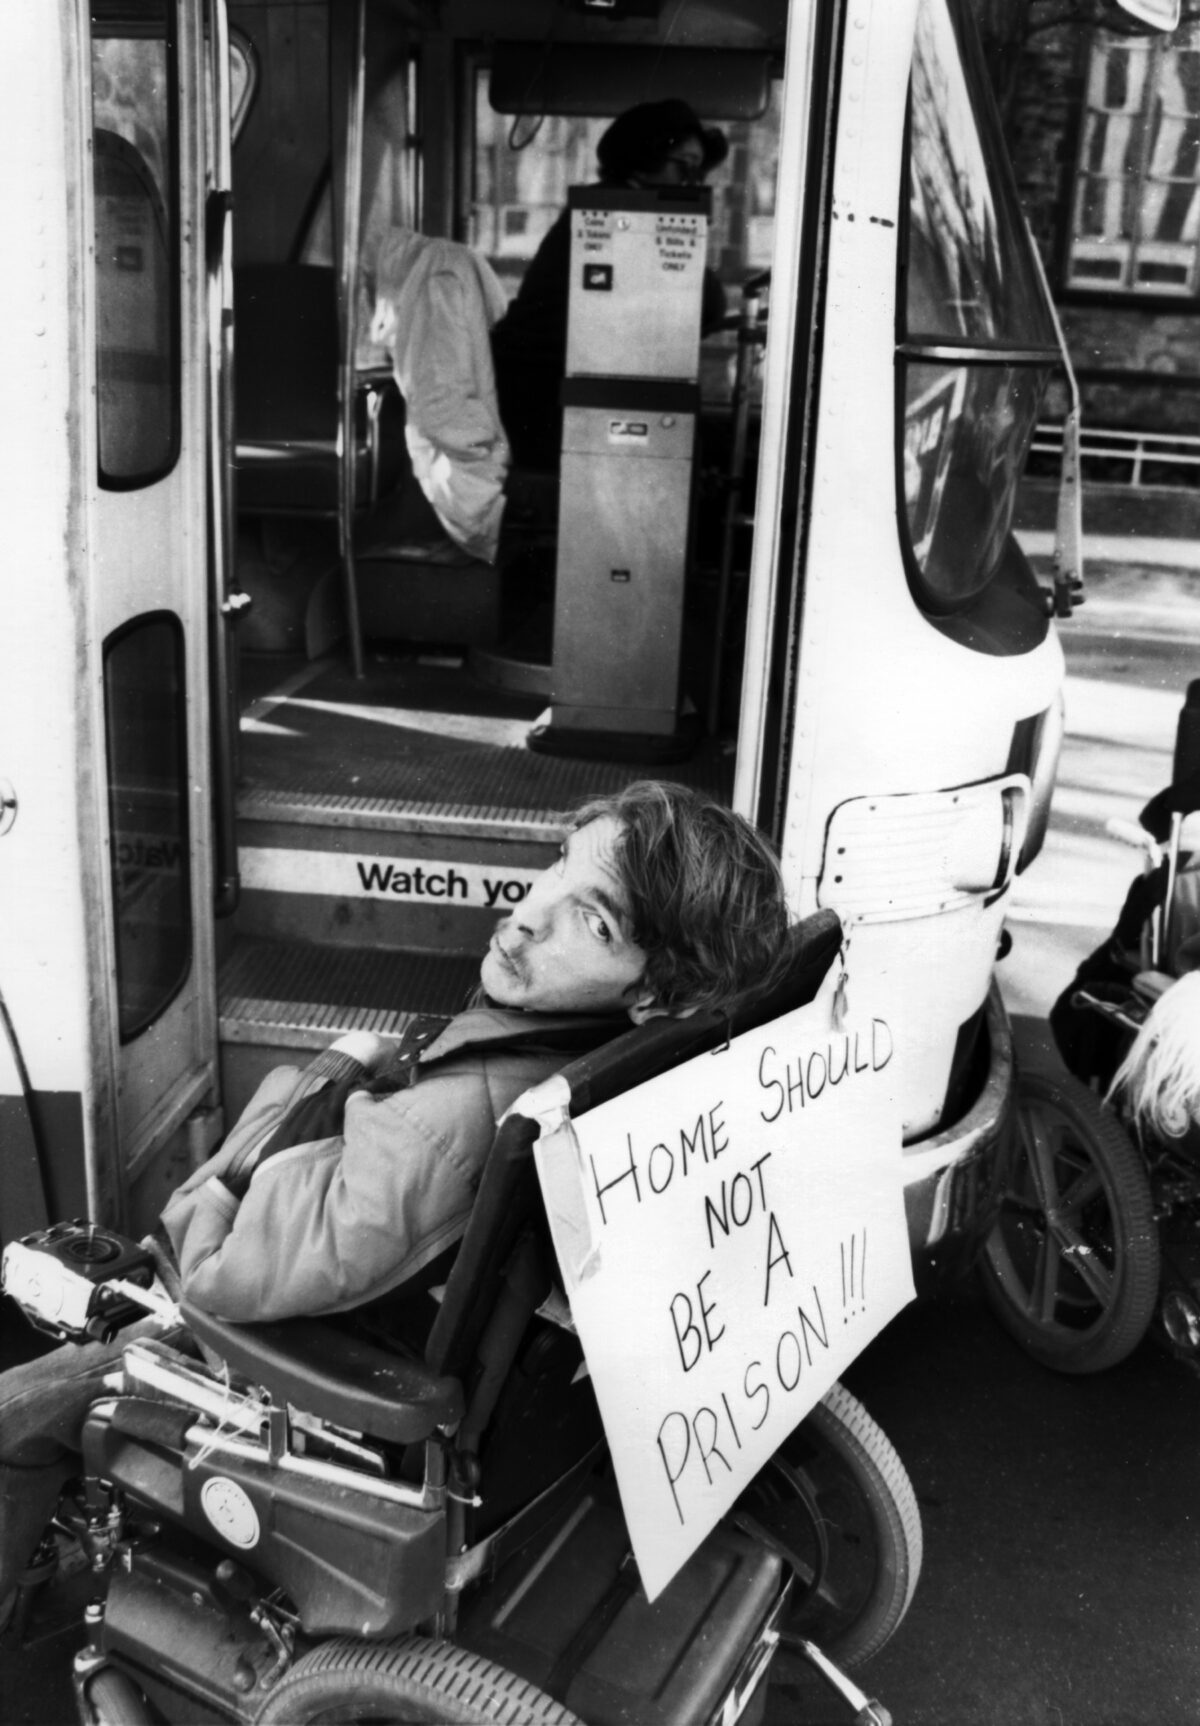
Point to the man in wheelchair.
(346, 1183)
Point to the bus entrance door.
(106, 882)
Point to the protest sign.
(731, 1234)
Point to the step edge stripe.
(375, 815)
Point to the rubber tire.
(1078, 1328)
(414, 1681)
(115, 1699)
(871, 1518)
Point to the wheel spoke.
(1061, 1202)
(1020, 1204)
(1039, 1149)
(1043, 1293)
(1086, 1263)
(1080, 1191)
(1071, 1267)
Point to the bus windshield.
(970, 275)
(977, 337)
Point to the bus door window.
(146, 748)
(976, 338)
(136, 226)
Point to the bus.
(278, 747)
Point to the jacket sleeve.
(333, 1223)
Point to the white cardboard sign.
(731, 1234)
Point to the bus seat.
(413, 581)
(426, 551)
(286, 397)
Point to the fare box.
(731, 1234)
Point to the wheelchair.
(388, 1518)
(1098, 1243)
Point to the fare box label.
(731, 1235)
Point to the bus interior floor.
(419, 729)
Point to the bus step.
(403, 810)
(419, 748)
(282, 1001)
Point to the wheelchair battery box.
(572, 1617)
(60, 1278)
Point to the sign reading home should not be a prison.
(731, 1234)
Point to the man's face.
(567, 947)
(683, 166)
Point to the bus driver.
(661, 902)
(656, 144)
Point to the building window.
(1136, 217)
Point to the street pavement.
(1061, 1583)
(1061, 1580)
(1131, 650)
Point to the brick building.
(1104, 131)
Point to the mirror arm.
(1067, 591)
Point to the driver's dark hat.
(641, 137)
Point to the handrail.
(227, 606)
(751, 336)
(348, 329)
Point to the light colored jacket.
(336, 1222)
(435, 304)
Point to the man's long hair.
(705, 891)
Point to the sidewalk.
(1122, 550)
(1150, 587)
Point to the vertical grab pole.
(348, 326)
(226, 605)
(749, 340)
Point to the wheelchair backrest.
(508, 1202)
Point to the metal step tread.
(299, 996)
(421, 748)
(384, 814)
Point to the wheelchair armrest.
(334, 1375)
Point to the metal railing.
(1174, 456)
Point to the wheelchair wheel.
(836, 1502)
(1071, 1268)
(411, 1682)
